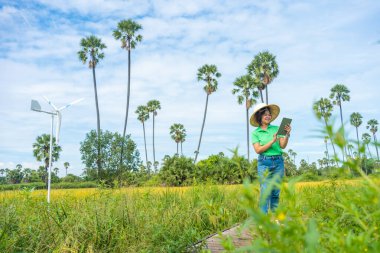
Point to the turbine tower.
(35, 106)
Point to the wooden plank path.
(212, 243)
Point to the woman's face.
(266, 118)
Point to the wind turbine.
(58, 113)
(35, 106)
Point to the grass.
(126, 220)
(315, 217)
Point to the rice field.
(313, 216)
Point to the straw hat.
(274, 110)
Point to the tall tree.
(143, 115)
(208, 74)
(294, 157)
(366, 138)
(340, 93)
(92, 49)
(350, 147)
(153, 106)
(126, 32)
(66, 165)
(245, 86)
(263, 68)
(56, 170)
(323, 109)
(372, 126)
(177, 132)
(111, 145)
(356, 121)
(294, 154)
(41, 150)
(182, 139)
(327, 150)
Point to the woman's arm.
(260, 149)
(284, 140)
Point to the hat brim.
(274, 109)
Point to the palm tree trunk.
(327, 151)
(332, 143)
(203, 124)
(146, 153)
(181, 149)
(369, 151)
(341, 121)
(261, 95)
(177, 148)
(377, 152)
(127, 106)
(357, 137)
(246, 116)
(98, 119)
(266, 93)
(154, 150)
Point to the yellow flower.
(281, 216)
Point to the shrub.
(177, 170)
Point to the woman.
(269, 147)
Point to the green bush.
(177, 171)
(224, 170)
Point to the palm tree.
(153, 106)
(323, 109)
(66, 165)
(245, 86)
(208, 74)
(177, 132)
(41, 150)
(56, 170)
(340, 93)
(356, 121)
(91, 48)
(263, 68)
(366, 140)
(292, 153)
(143, 115)
(126, 32)
(327, 150)
(183, 139)
(372, 126)
(294, 156)
(350, 147)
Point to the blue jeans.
(271, 172)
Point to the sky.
(317, 44)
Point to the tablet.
(284, 122)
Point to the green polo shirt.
(262, 137)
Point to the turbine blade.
(50, 103)
(72, 103)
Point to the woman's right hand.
(274, 138)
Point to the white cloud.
(316, 44)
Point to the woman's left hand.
(288, 128)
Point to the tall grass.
(334, 216)
(126, 220)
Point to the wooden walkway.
(212, 243)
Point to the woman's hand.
(274, 138)
(284, 141)
(288, 128)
